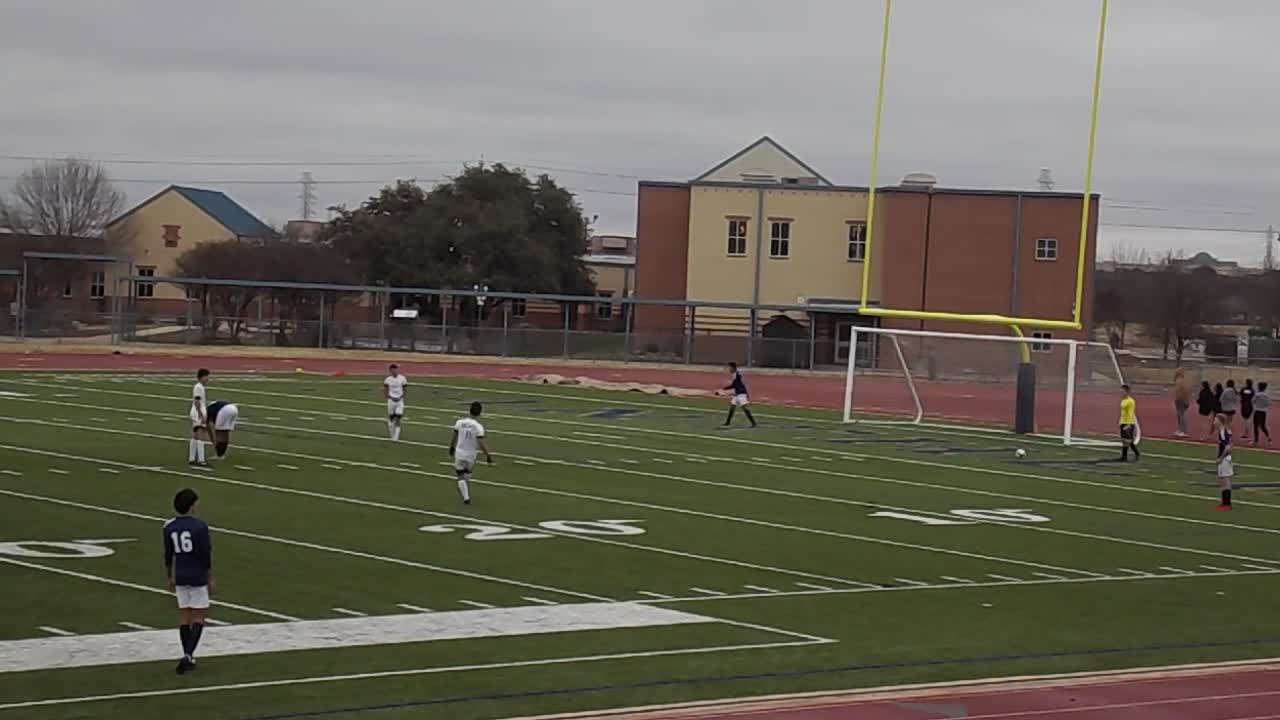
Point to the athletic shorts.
(1128, 432)
(227, 418)
(196, 423)
(395, 408)
(1226, 468)
(740, 401)
(192, 597)
(464, 465)
(1246, 413)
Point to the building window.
(779, 238)
(68, 291)
(1041, 347)
(1046, 248)
(519, 308)
(604, 310)
(171, 235)
(98, 285)
(857, 242)
(737, 236)
(146, 289)
(193, 292)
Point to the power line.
(1200, 228)
(370, 181)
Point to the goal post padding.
(919, 376)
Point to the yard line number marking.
(576, 527)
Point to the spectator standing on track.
(1181, 400)
(1229, 404)
(1206, 405)
(1246, 406)
(1261, 406)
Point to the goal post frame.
(1072, 347)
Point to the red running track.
(1238, 693)
(1095, 412)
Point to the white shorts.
(227, 418)
(739, 401)
(195, 419)
(192, 597)
(1226, 469)
(395, 408)
(464, 464)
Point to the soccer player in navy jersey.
(739, 397)
(188, 568)
(222, 417)
(1226, 469)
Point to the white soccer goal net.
(926, 377)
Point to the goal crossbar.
(916, 412)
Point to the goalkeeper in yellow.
(1128, 425)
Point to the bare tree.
(1181, 301)
(62, 198)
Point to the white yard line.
(538, 601)
(912, 583)
(704, 591)
(59, 471)
(957, 580)
(304, 544)
(109, 471)
(413, 608)
(350, 613)
(56, 631)
(133, 586)
(811, 586)
(654, 595)
(1003, 578)
(760, 588)
(474, 604)
(1049, 576)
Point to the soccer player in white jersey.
(199, 418)
(464, 448)
(394, 387)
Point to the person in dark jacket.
(1246, 406)
(1206, 405)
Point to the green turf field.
(804, 555)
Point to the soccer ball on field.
(1019, 453)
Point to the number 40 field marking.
(575, 527)
(968, 517)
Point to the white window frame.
(97, 285)
(779, 238)
(742, 225)
(1041, 347)
(519, 308)
(146, 289)
(604, 310)
(1046, 249)
(859, 242)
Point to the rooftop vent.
(919, 181)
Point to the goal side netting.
(970, 380)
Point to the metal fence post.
(565, 351)
(444, 326)
(506, 323)
(320, 340)
(626, 332)
(384, 300)
(813, 338)
(22, 303)
(751, 339)
(688, 338)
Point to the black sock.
(1136, 454)
(1124, 452)
(197, 629)
(184, 631)
(749, 415)
(730, 418)
(1226, 497)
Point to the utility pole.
(1269, 257)
(308, 195)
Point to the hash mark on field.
(599, 435)
(1179, 571)
(409, 465)
(246, 468)
(287, 467)
(760, 588)
(351, 613)
(135, 626)
(787, 458)
(59, 420)
(64, 395)
(628, 461)
(820, 458)
(307, 418)
(694, 459)
(14, 473)
(273, 419)
(56, 471)
(539, 601)
(1051, 576)
(217, 623)
(957, 580)
(518, 462)
(657, 596)
(413, 608)
(473, 603)
(99, 420)
(331, 466)
(811, 586)
(664, 461)
(912, 583)
(1003, 578)
(1214, 568)
(134, 419)
(596, 462)
(56, 631)
(1133, 572)
(109, 471)
(705, 591)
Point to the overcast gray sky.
(603, 92)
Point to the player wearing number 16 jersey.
(188, 567)
(465, 446)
